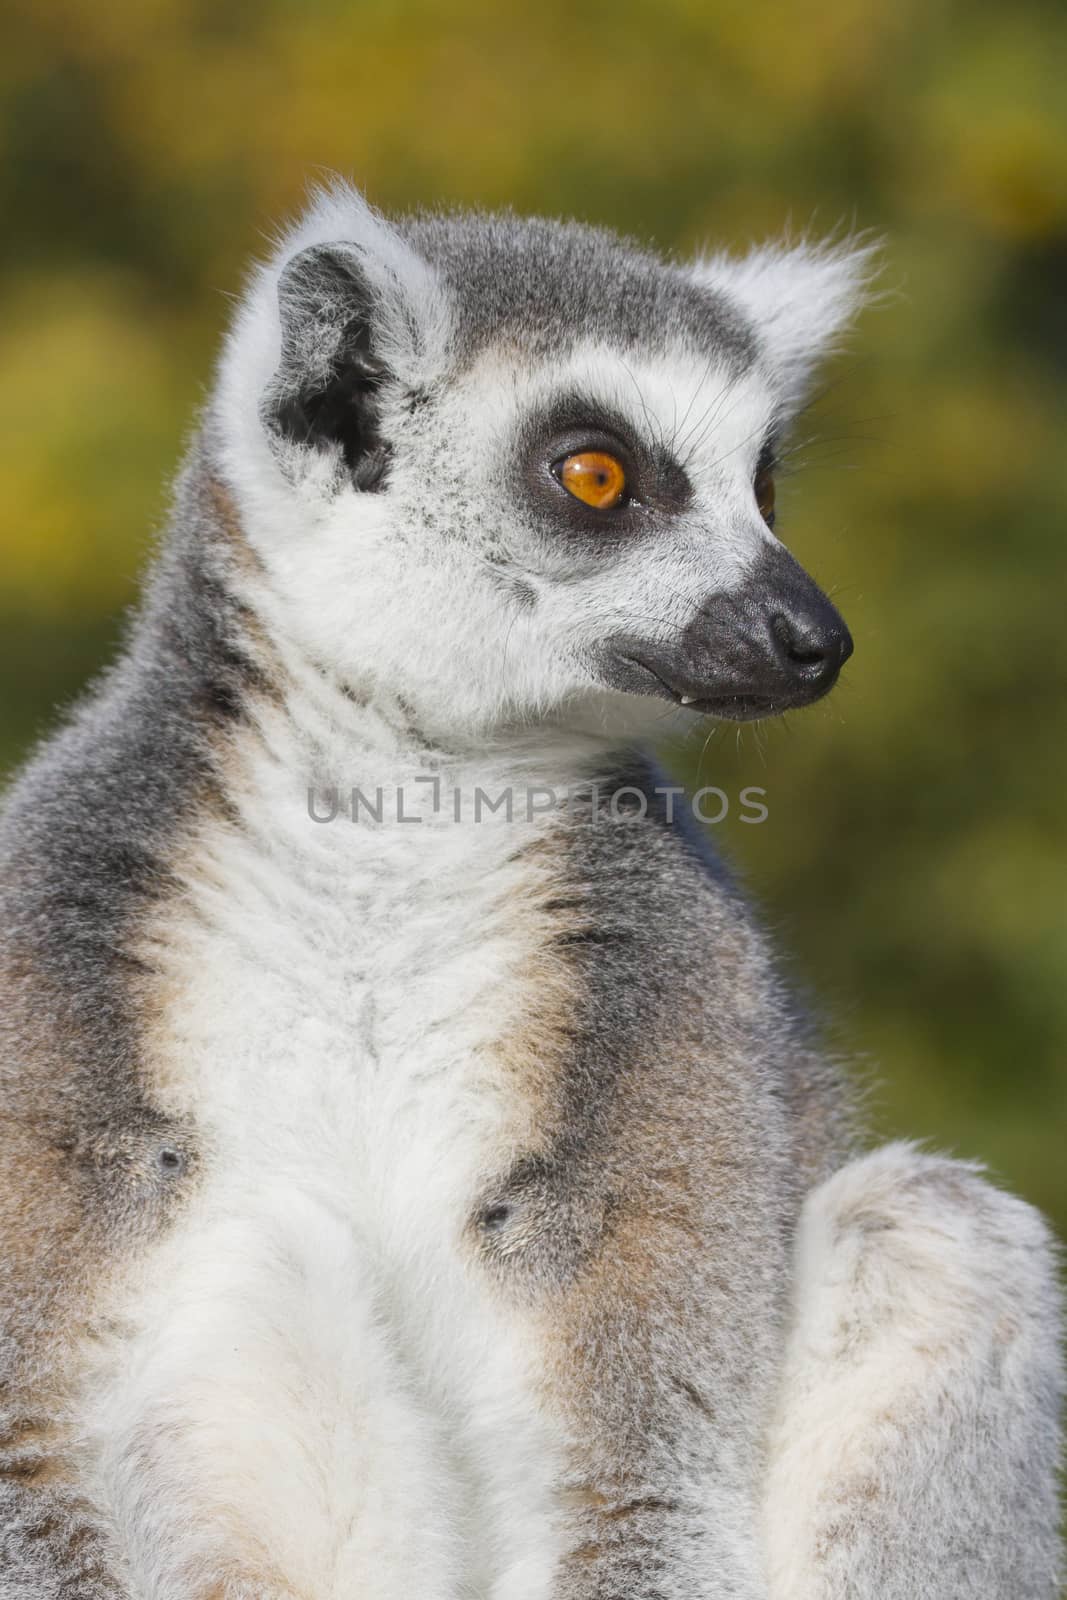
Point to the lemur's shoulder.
(671, 949)
(89, 824)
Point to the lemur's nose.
(770, 644)
(810, 639)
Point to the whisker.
(653, 427)
(693, 398)
(694, 439)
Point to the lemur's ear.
(350, 310)
(325, 391)
(798, 300)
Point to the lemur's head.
(505, 470)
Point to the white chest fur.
(315, 1388)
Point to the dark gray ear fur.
(325, 392)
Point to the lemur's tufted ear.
(354, 310)
(798, 300)
(326, 389)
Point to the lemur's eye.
(764, 489)
(594, 477)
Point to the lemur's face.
(505, 471)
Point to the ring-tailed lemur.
(419, 1207)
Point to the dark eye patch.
(577, 424)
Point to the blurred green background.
(913, 861)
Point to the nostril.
(803, 647)
(811, 650)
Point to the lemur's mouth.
(735, 707)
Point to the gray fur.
(547, 283)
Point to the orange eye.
(764, 487)
(595, 478)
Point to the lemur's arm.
(916, 1448)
